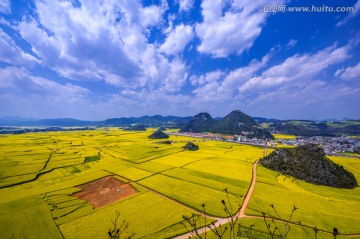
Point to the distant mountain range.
(295, 127)
(148, 121)
(23, 122)
(314, 128)
(156, 120)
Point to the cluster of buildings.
(331, 145)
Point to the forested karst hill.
(308, 163)
(236, 122)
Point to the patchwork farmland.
(70, 184)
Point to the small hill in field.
(158, 134)
(308, 163)
(191, 146)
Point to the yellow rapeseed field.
(39, 172)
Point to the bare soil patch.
(104, 191)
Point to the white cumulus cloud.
(177, 39)
(150, 16)
(185, 5)
(106, 41)
(229, 26)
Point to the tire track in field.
(38, 174)
(46, 163)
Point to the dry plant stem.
(116, 232)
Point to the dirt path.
(240, 213)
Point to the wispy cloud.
(291, 43)
(25, 94)
(349, 73)
(5, 6)
(298, 68)
(12, 54)
(351, 15)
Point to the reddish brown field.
(104, 191)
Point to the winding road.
(240, 213)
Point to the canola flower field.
(39, 173)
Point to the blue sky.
(97, 59)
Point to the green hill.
(308, 163)
(158, 134)
(236, 122)
(191, 146)
(202, 122)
